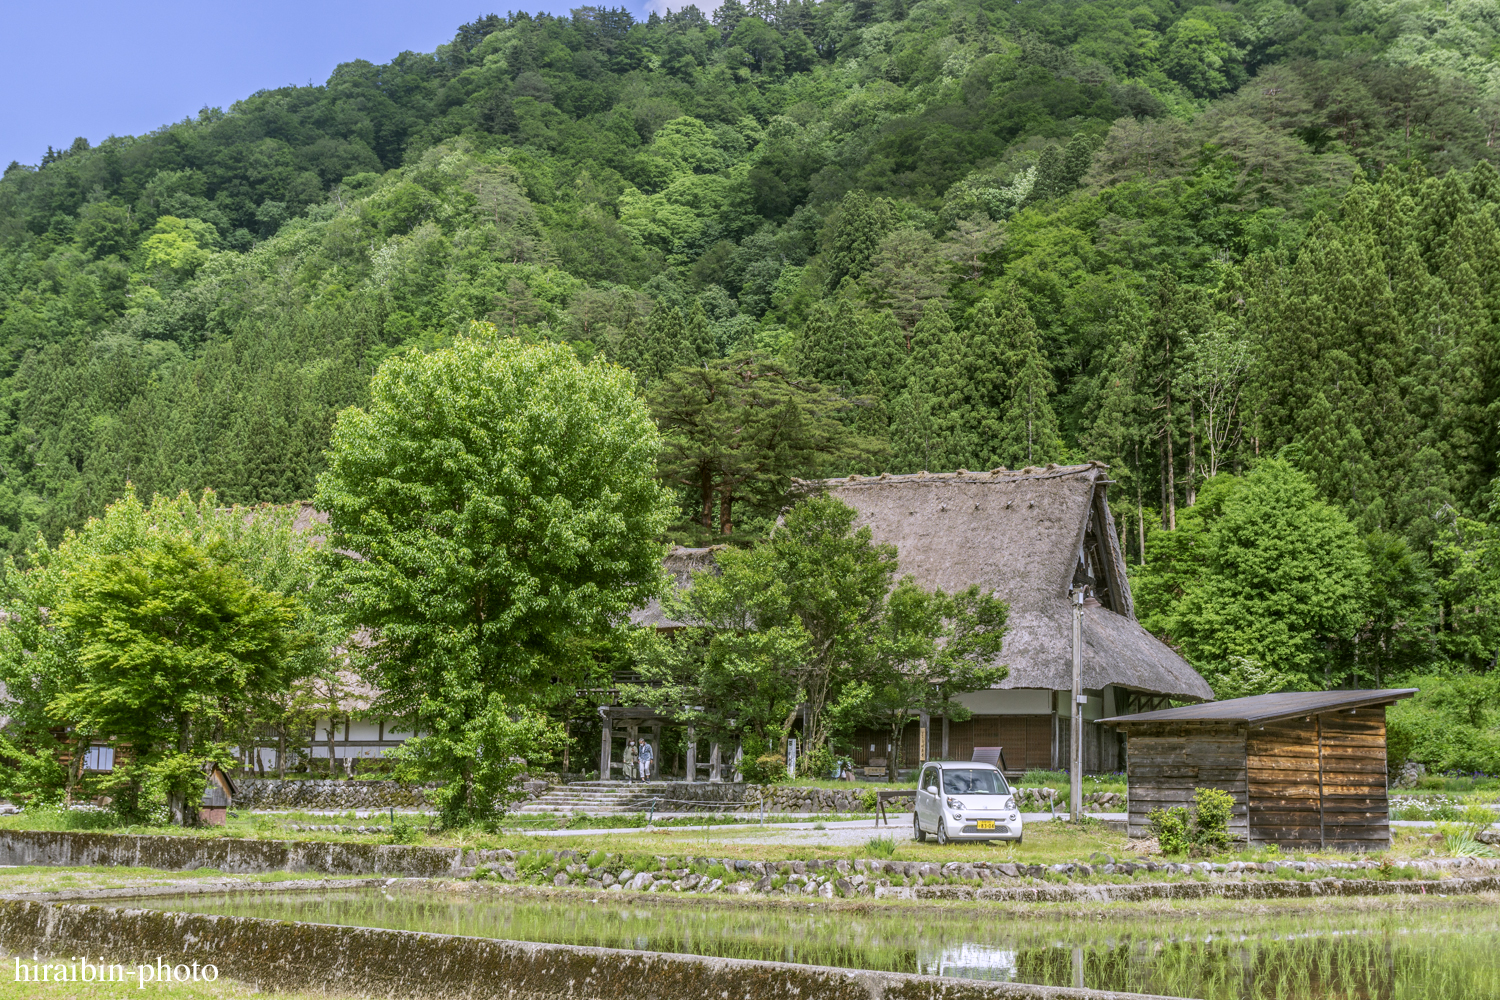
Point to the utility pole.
(1075, 759)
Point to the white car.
(965, 801)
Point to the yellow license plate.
(985, 824)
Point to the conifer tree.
(1029, 432)
(985, 388)
(698, 337)
(923, 431)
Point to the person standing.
(645, 755)
(629, 762)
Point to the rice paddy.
(1431, 952)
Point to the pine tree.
(986, 388)
(698, 336)
(1029, 432)
(853, 235)
(923, 429)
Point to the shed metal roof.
(1266, 707)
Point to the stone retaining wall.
(301, 957)
(270, 793)
(227, 854)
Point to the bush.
(1201, 830)
(1214, 809)
(761, 764)
(1171, 827)
(881, 847)
(818, 764)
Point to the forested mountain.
(1182, 238)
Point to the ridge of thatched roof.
(1022, 536)
(680, 563)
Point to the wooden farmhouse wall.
(1165, 762)
(1320, 781)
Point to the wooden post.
(715, 764)
(1075, 758)
(606, 751)
(692, 754)
(945, 738)
(924, 736)
(1322, 829)
(654, 768)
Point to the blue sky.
(94, 69)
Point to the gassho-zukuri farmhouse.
(1028, 536)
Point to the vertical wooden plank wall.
(1320, 782)
(1356, 811)
(1282, 760)
(1166, 762)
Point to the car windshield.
(974, 781)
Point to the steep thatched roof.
(681, 563)
(1024, 536)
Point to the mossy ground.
(223, 989)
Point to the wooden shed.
(1306, 768)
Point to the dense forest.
(1246, 253)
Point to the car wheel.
(916, 829)
(942, 834)
(1019, 839)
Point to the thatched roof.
(1023, 536)
(681, 563)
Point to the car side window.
(930, 780)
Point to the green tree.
(1028, 432)
(1285, 579)
(853, 235)
(739, 429)
(168, 637)
(502, 503)
(927, 648)
(202, 556)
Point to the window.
(930, 780)
(99, 759)
(974, 781)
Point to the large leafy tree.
(927, 648)
(171, 628)
(812, 618)
(496, 501)
(1282, 579)
(169, 637)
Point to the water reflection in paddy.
(1428, 953)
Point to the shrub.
(1170, 827)
(762, 765)
(818, 764)
(1203, 829)
(1214, 808)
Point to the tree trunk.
(330, 744)
(281, 751)
(726, 499)
(1140, 506)
(706, 492)
(177, 804)
(1169, 513)
(1192, 456)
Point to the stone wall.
(324, 794)
(227, 854)
(301, 957)
(269, 793)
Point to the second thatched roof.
(1026, 536)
